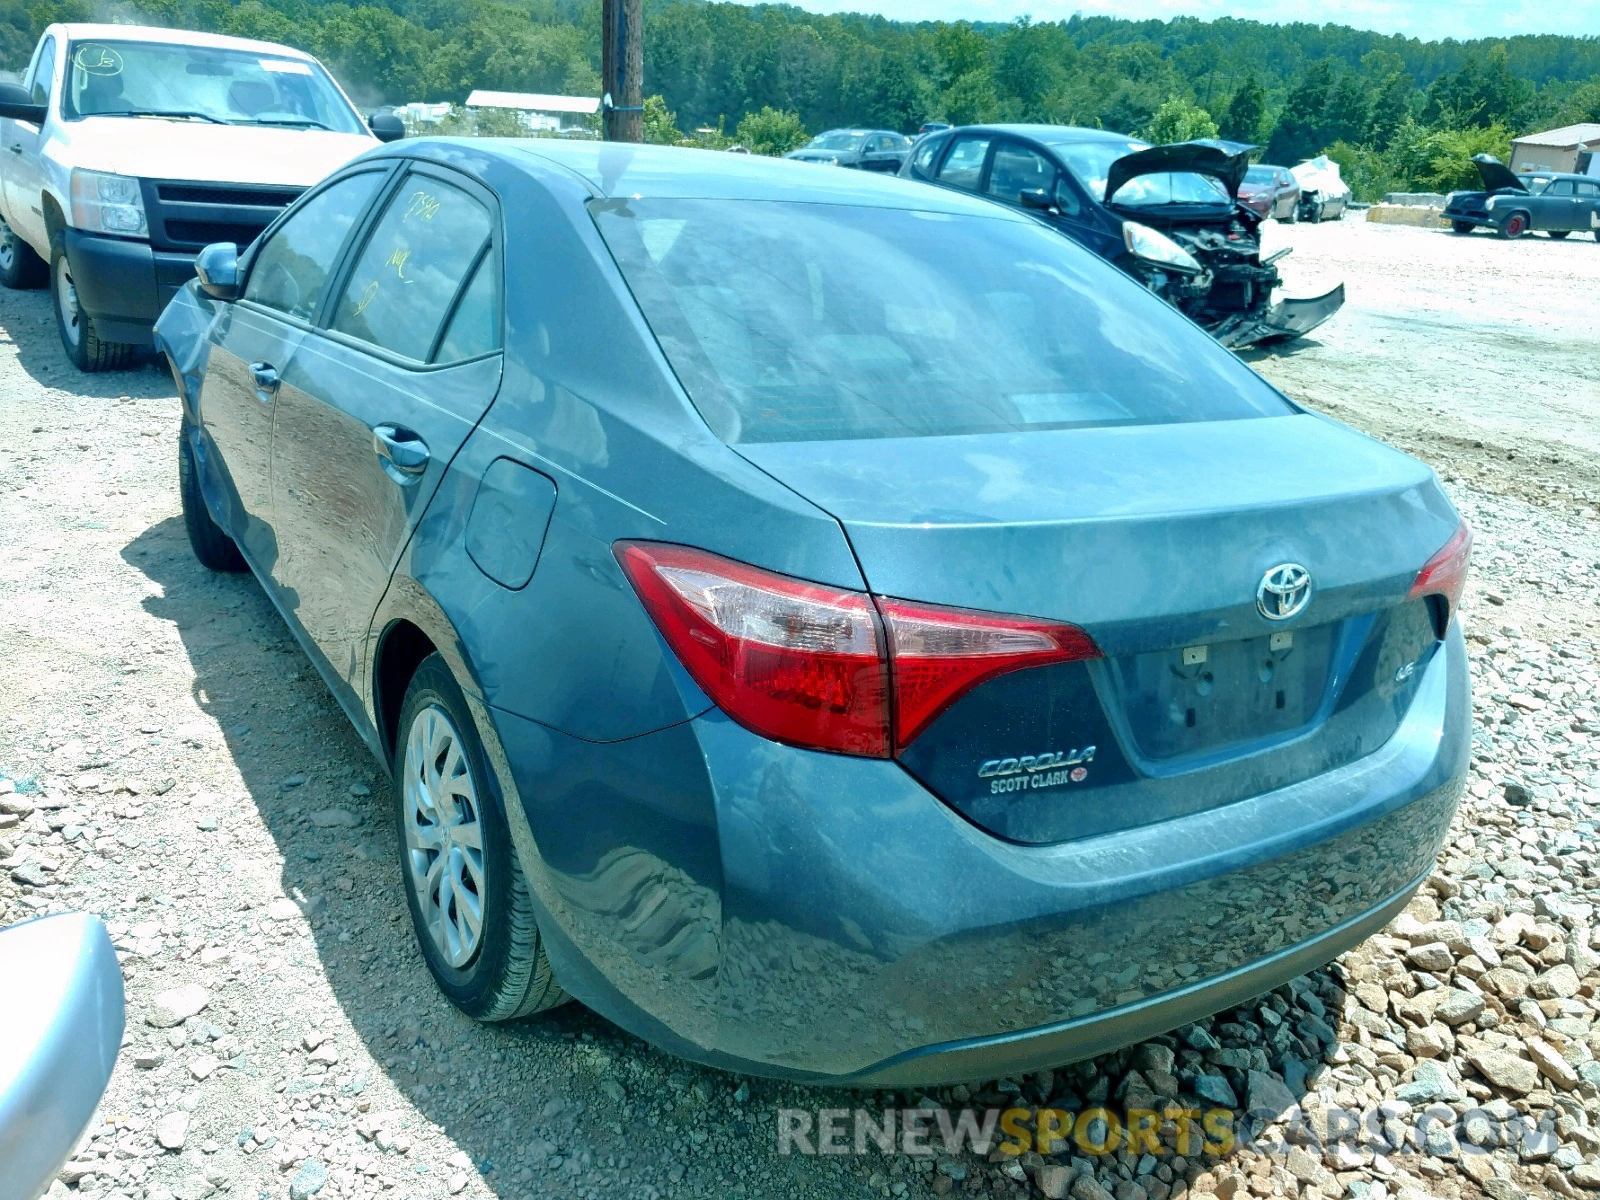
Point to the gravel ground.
(170, 761)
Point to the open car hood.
(1225, 162)
(1496, 174)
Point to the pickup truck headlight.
(104, 203)
(1153, 247)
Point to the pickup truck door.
(255, 339)
(20, 144)
(376, 404)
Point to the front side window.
(43, 72)
(202, 83)
(290, 273)
(799, 322)
(1561, 187)
(964, 167)
(1017, 169)
(927, 151)
(404, 284)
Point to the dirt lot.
(169, 760)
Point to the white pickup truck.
(125, 150)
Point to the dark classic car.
(1167, 215)
(1270, 191)
(1513, 205)
(865, 149)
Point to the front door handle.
(266, 380)
(402, 453)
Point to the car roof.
(636, 171)
(1059, 135)
(76, 32)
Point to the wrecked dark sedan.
(1512, 205)
(1167, 215)
(864, 149)
(833, 627)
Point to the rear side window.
(964, 167)
(420, 252)
(800, 322)
(474, 327)
(1588, 189)
(290, 273)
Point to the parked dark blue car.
(835, 627)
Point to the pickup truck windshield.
(202, 83)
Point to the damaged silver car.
(1169, 216)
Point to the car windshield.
(1535, 183)
(1091, 162)
(798, 322)
(838, 139)
(203, 83)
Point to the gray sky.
(1427, 19)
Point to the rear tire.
(20, 268)
(1294, 213)
(1514, 226)
(210, 543)
(471, 908)
(79, 335)
(1462, 226)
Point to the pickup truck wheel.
(79, 339)
(20, 267)
(211, 545)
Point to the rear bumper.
(825, 919)
(124, 285)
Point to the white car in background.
(125, 150)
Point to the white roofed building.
(540, 113)
(1570, 148)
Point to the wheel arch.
(55, 220)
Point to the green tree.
(1180, 121)
(1246, 111)
(1483, 92)
(660, 126)
(771, 132)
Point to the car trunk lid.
(1155, 539)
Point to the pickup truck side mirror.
(218, 268)
(62, 1009)
(19, 106)
(386, 127)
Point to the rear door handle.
(266, 380)
(402, 453)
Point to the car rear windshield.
(837, 139)
(799, 322)
(202, 83)
(1261, 175)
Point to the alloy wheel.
(67, 302)
(444, 836)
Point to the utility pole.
(622, 69)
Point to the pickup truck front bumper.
(124, 284)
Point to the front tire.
(211, 544)
(1514, 226)
(20, 268)
(1462, 226)
(79, 335)
(470, 905)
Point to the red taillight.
(793, 661)
(938, 655)
(811, 665)
(1445, 574)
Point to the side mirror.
(386, 127)
(218, 268)
(1038, 199)
(16, 103)
(62, 1010)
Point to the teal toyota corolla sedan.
(834, 627)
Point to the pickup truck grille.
(184, 215)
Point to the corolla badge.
(1284, 592)
(1051, 769)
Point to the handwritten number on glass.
(422, 205)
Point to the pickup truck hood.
(154, 148)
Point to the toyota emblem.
(1284, 592)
